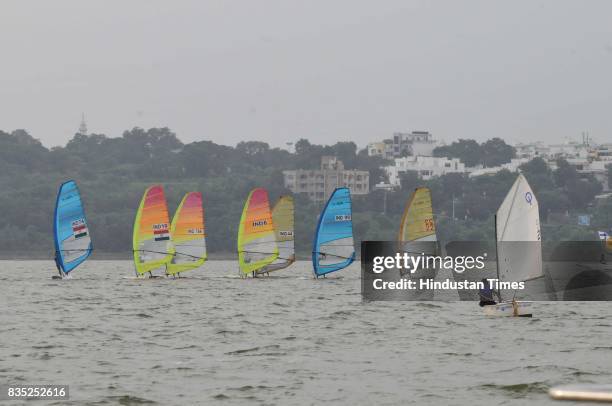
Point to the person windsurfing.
(487, 294)
(57, 265)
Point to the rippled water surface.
(282, 340)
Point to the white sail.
(519, 246)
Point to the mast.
(497, 256)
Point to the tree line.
(113, 172)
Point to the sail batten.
(283, 219)
(333, 247)
(257, 245)
(152, 243)
(70, 229)
(188, 233)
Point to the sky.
(326, 70)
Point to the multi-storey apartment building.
(319, 184)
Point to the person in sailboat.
(487, 294)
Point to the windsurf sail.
(418, 221)
(333, 247)
(188, 235)
(517, 229)
(282, 217)
(71, 233)
(151, 241)
(256, 239)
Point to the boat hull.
(508, 309)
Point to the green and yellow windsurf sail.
(257, 245)
(152, 244)
(188, 235)
(418, 221)
(283, 219)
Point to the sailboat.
(417, 235)
(333, 247)
(152, 245)
(418, 222)
(188, 236)
(518, 245)
(71, 233)
(257, 245)
(282, 217)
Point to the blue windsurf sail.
(72, 239)
(333, 247)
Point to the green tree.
(468, 151)
(565, 173)
(496, 152)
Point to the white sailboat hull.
(523, 309)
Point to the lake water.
(287, 339)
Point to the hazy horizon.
(325, 71)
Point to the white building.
(404, 144)
(598, 169)
(512, 166)
(426, 167)
(382, 149)
(414, 143)
(569, 149)
(603, 152)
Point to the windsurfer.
(57, 265)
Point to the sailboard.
(283, 219)
(188, 233)
(333, 247)
(257, 245)
(71, 232)
(152, 244)
(518, 244)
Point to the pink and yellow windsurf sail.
(152, 244)
(188, 235)
(257, 245)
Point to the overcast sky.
(325, 70)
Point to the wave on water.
(426, 305)
(254, 350)
(519, 388)
(129, 400)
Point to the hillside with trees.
(112, 174)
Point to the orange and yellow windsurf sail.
(152, 244)
(188, 235)
(257, 245)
